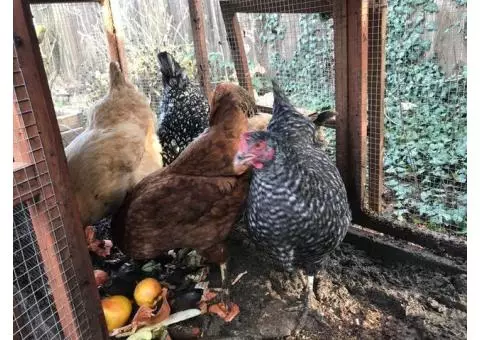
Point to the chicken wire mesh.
(292, 42)
(75, 56)
(295, 48)
(149, 27)
(424, 113)
(47, 299)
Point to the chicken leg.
(217, 254)
(225, 291)
(308, 307)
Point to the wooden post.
(26, 172)
(376, 94)
(237, 48)
(78, 276)
(357, 27)
(351, 28)
(197, 18)
(116, 45)
(341, 88)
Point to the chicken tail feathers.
(280, 100)
(116, 76)
(168, 65)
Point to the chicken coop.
(393, 71)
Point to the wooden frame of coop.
(354, 97)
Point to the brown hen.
(193, 202)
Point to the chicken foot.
(226, 309)
(308, 308)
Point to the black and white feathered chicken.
(183, 112)
(297, 208)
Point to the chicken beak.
(241, 162)
(243, 158)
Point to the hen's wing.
(101, 164)
(167, 211)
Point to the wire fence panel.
(47, 297)
(425, 113)
(149, 27)
(74, 51)
(290, 41)
(297, 49)
(35, 314)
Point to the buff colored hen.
(117, 150)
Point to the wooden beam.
(53, 268)
(376, 93)
(357, 55)
(277, 6)
(81, 278)
(27, 187)
(341, 88)
(116, 45)
(439, 243)
(21, 150)
(395, 251)
(237, 48)
(197, 18)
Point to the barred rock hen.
(183, 112)
(193, 202)
(297, 208)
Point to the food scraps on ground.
(208, 295)
(147, 292)
(227, 314)
(158, 331)
(100, 277)
(146, 316)
(239, 276)
(100, 247)
(117, 310)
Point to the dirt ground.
(359, 298)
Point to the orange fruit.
(147, 292)
(117, 310)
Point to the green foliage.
(273, 30)
(307, 75)
(220, 69)
(425, 139)
(425, 123)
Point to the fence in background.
(424, 66)
(420, 112)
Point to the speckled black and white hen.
(297, 208)
(183, 112)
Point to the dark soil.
(358, 296)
